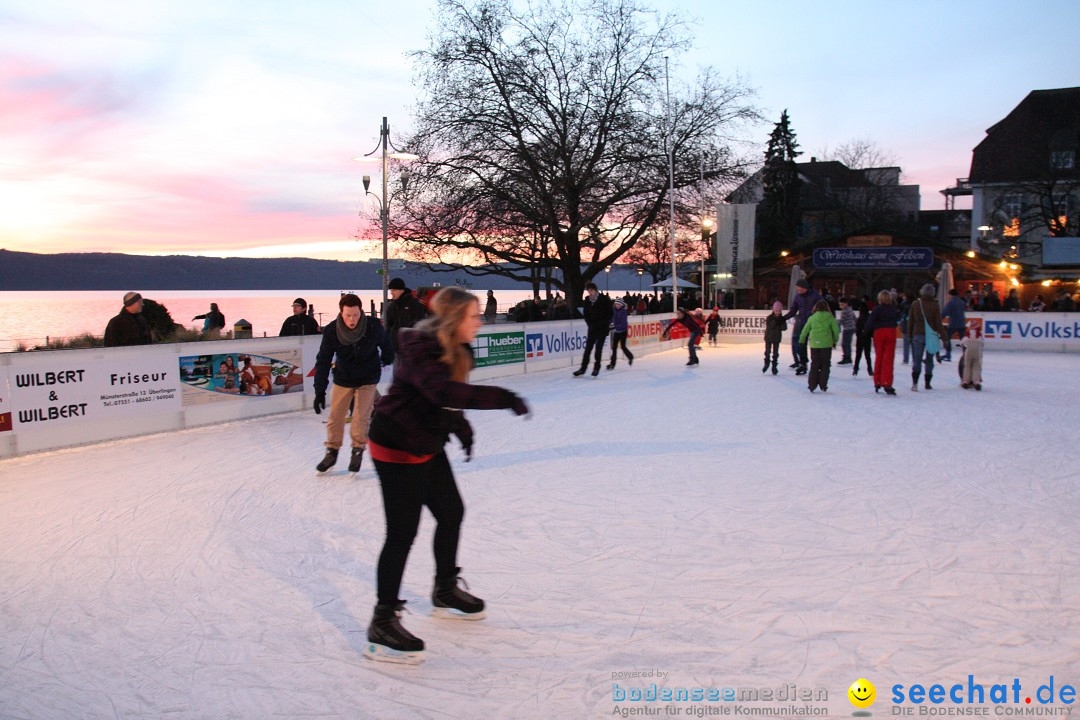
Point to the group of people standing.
(922, 323)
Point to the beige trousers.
(365, 396)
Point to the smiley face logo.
(862, 693)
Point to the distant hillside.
(114, 271)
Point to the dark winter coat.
(955, 311)
(802, 307)
(687, 321)
(127, 329)
(213, 320)
(422, 406)
(713, 324)
(356, 364)
(882, 316)
(598, 315)
(775, 325)
(402, 313)
(302, 324)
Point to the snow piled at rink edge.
(706, 527)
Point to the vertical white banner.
(735, 246)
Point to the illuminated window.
(1063, 159)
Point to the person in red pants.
(881, 327)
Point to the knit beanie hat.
(777, 307)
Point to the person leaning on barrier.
(299, 323)
(129, 327)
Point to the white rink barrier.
(65, 398)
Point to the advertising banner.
(500, 348)
(554, 340)
(70, 390)
(733, 322)
(735, 245)
(893, 258)
(1028, 330)
(224, 377)
(5, 401)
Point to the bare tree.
(543, 136)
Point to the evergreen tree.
(780, 180)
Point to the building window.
(1063, 159)
(1012, 204)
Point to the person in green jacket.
(822, 331)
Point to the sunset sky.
(228, 127)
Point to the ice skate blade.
(452, 614)
(381, 653)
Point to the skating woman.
(881, 328)
(412, 423)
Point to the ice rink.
(720, 526)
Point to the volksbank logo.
(534, 345)
(998, 329)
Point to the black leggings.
(618, 339)
(406, 489)
(594, 344)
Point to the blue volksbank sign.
(890, 258)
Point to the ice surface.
(722, 526)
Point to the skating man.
(598, 319)
(357, 347)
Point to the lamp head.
(367, 182)
(405, 176)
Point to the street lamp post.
(640, 271)
(607, 279)
(384, 200)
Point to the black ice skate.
(328, 461)
(450, 601)
(388, 641)
(356, 459)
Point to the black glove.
(464, 432)
(320, 402)
(518, 406)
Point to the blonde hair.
(450, 307)
(885, 297)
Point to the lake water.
(30, 317)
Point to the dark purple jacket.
(802, 307)
(423, 405)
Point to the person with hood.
(775, 325)
(682, 317)
(821, 332)
(403, 310)
(802, 306)
(598, 320)
(357, 348)
(881, 328)
(620, 326)
(213, 320)
(299, 323)
(712, 324)
(128, 327)
(412, 424)
(972, 343)
(927, 331)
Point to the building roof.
(1018, 147)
